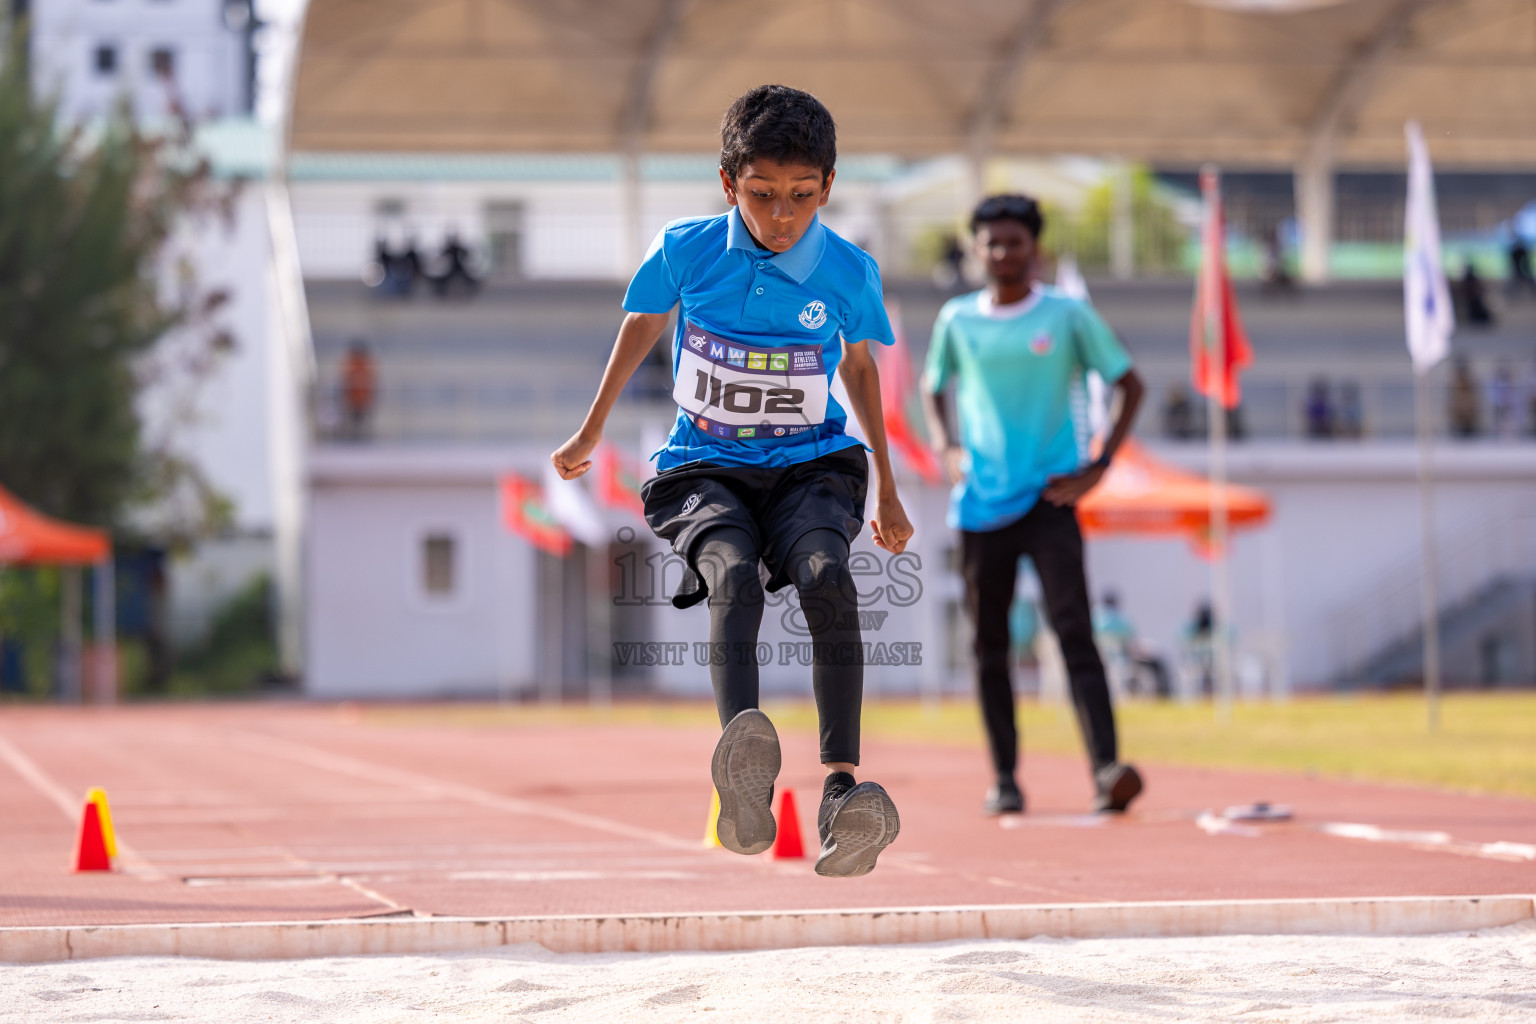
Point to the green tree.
(84, 221)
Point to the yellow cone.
(98, 796)
(711, 837)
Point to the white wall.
(209, 58)
(372, 630)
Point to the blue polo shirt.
(820, 291)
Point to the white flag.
(1426, 298)
(570, 503)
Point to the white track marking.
(133, 862)
(1430, 841)
(438, 789)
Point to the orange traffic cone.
(91, 848)
(788, 845)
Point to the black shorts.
(776, 505)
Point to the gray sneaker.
(856, 822)
(746, 762)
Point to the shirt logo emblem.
(738, 357)
(778, 361)
(757, 361)
(691, 503)
(813, 315)
(1042, 343)
(697, 341)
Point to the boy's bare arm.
(636, 336)
(862, 379)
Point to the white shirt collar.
(1007, 311)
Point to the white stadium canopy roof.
(1256, 83)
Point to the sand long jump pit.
(286, 864)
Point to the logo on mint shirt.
(813, 315)
(1042, 343)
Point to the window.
(162, 61)
(437, 565)
(106, 60)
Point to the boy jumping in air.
(1014, 353)
(758, 466)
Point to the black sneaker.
(1118, 785)
(746, 762)
(1005, 797)
(856, 822)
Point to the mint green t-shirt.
(1015, 369)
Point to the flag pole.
(1215, 333)
(1429, 597)
(1430, 321)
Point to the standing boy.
(758, 466)
(1015, 352)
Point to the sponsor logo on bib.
(813, 315)
(691, 503)
(737, 357)
(757, 361)
(716, 350)
(1042, 343)
(697, 342)
(778, 361)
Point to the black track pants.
(817, 565)
(1049, 535)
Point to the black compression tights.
(818, 566)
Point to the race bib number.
(743, 393)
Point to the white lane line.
(1426, 840)
(132, 861)
(438, 789)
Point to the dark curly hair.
(777, 123)
(1009, 207)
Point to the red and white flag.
(897, 383)
(1218, 345)
(618, 482)
(526, 513)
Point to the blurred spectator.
(359, 390)
(1465, 412)
(1132, 668)
(1351, 422)
(1474, 298)
(1276, 277)
(1520, 276)
(1319, 409)
(1178, 414)
(1199, 659)
(1504, 401)
(455, 258)
(394, 273)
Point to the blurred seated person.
(1465, 412)
(455, 258)
(1199, 655)
(1178, 414)
(359, 390)
(1132, 665)
(1474, 298)
(1319, 409)
(1521, 277)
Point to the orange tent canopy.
(1142, 495)
(28, 537)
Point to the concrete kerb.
(655, 933)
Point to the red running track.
(241, 812)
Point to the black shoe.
(1118, 785)
(1005, 798)
(746, 762)
(856, 822)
